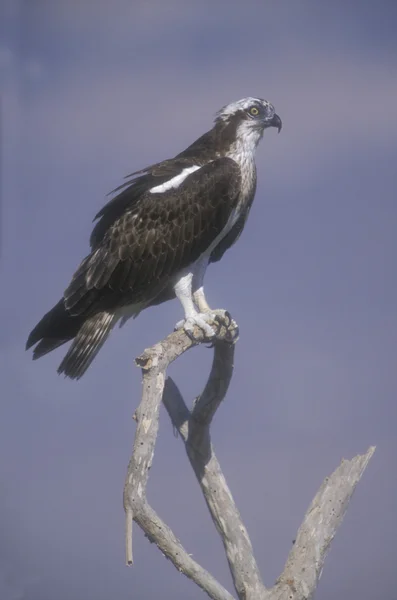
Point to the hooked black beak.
(276, 122)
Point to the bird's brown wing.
(155, 238)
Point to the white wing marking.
(175, 182)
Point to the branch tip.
(144, 361)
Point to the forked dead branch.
(304, 564)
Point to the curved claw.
(228, 316)
(178, 325)
(190, 334)
(219, 323)
(232, 335)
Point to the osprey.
(154, 240)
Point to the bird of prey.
(155, 238)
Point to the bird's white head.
(251, 116)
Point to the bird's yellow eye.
(254, 111)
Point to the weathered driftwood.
(304, 565)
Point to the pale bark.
(304, 565)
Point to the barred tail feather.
(86, 345)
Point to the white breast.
(242, 151)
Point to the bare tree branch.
(160, 534)
(154, 362)
(306, 559)
(325, 514)
(194, 430)
(305, 562)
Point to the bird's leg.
(215, 313)
(219, 316)
(183, 291)
(198, 286)
(200, 299)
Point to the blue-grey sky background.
(93, 90)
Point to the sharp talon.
(228, 316)
(218, 321)
(233, 335)
(179, 325)
(190, 335)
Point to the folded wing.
(156, 236)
